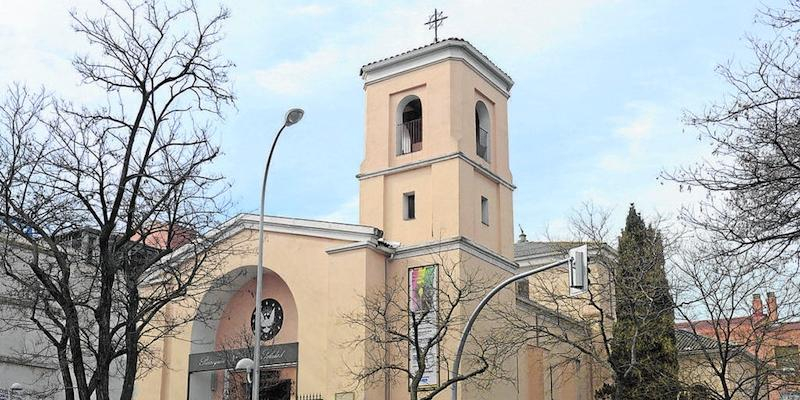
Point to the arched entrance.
(222, 335)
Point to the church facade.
(435, 184)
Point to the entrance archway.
(222, 331)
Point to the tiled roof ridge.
(450, 39)
(688, 341)
(412, 50)
(684, 325)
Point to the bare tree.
(753, 174)
(398, 322)
(95, 201)
(585, 324)
(750, 221)
(741, 357)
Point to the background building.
(771, 343)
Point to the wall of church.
(498, 233)
(467, 89)
(461, 264)
(355, 274)
(447, 191)
(322, 286)
(432, 86)
(555, 370)
(234, 330)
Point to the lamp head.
(294, 116)
(244, 364)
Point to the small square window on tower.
(485, 210)
(409, 208)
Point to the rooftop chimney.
(522, 236)
(758, 307)
(772, 306)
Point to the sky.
(594, 115)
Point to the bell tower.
(436, 148)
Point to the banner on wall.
(423, 303)
(274, 355)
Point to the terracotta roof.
(429, 45)
(736, 323)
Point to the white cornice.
(435, 53)
(424, 163)
(373, 245)
(296, 226)
(309, 227)
(457, 243)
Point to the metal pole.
(479, 307)
(259, 276)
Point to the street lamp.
(245, 365)
(15, 390)
(292, 117)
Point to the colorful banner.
(423, 304)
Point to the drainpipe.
(387, 388)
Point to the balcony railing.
(482, 143)
(410, 134)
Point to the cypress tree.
(643, 350)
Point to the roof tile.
(454, 39)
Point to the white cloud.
(514, 28)
(638, 125)
(298, 77)
(636, 128)
(38, 43)
(346, 212)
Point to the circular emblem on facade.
(271, 318)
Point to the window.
(482, 130)
(409, 125)
(523, 289)
(787, 358)
(409, 208)
(484, 210)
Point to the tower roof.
(448, 49)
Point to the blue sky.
(594, 115)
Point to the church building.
(435, 184)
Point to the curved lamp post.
(292, 117)
(457, 362)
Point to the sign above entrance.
(275, 355)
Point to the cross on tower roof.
(435, 21)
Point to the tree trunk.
(131, 340)
(63, 366)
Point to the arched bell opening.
(409, 125)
